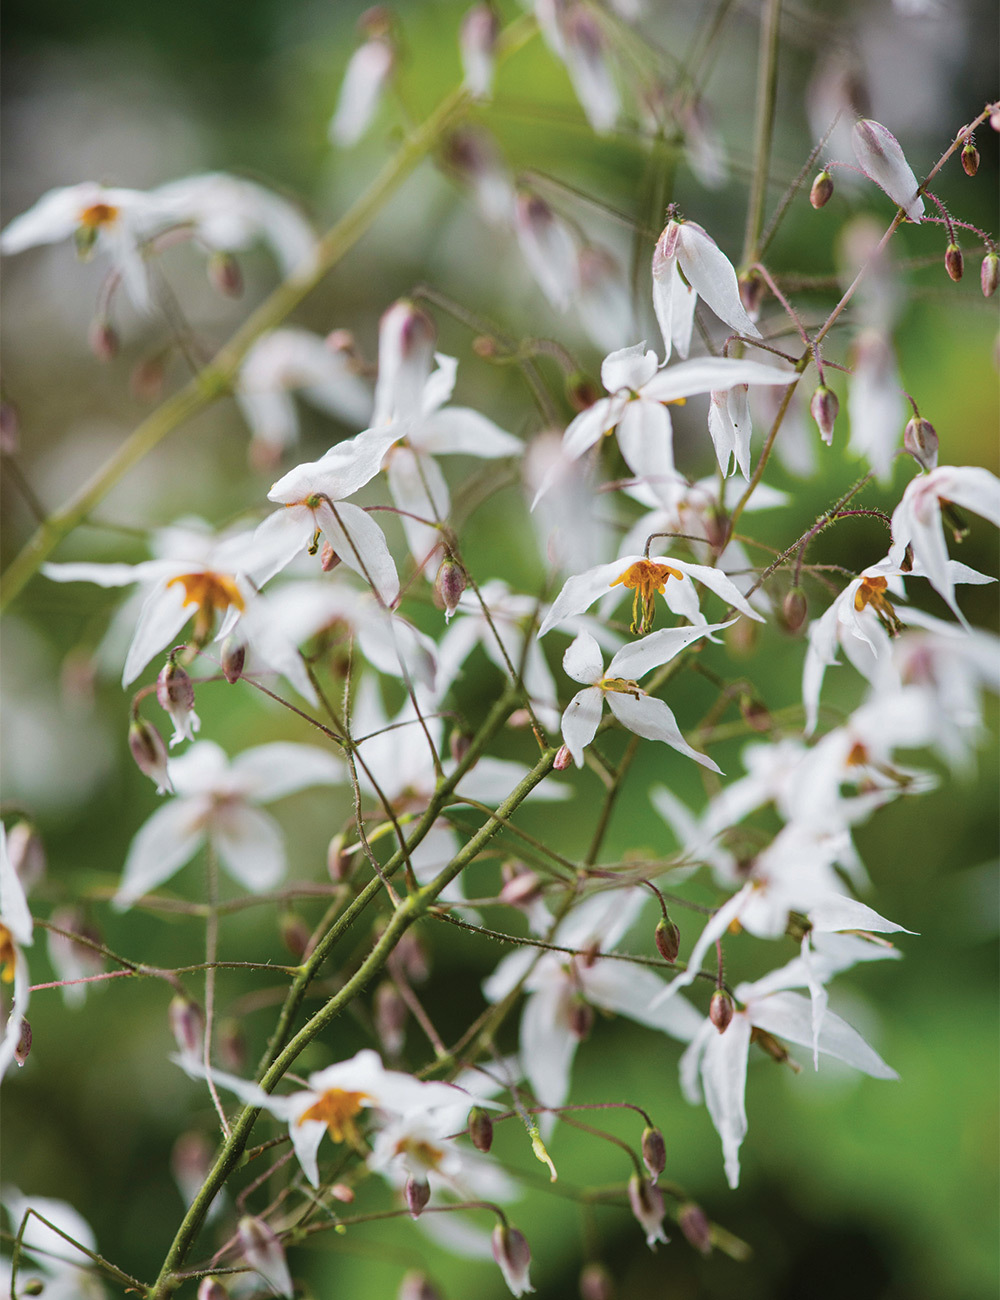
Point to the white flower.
(876, 407)
(421, 1145)
(548, 248)
(646, 715)
(66, 1272)
(917, 520)
(881, 159)
(15, 935)
(361, 90)
(215, 802)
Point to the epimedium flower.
(215, 802)
(66, 1272)
(647, 577)
(15, 935)
(882, 160)
(646, 715)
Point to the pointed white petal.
(789, 1015)
(580, 592)
(547, 1044)
(724, 1077)
(459, 429)
(583, 660)
(361, 91)
(628, 369)
(707, 374)
(710, 273)
(272, 771)
(650, 717)
(639, 657)
(163, 615)
(882, 160)
(646, 440)
(630, 990)
(580, 721)
(168, 840)
(361, 544)
(717, 582)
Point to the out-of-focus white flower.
(15, 935)
(684, 246)
(295, 360)
(66, 1272)
(548, 248)
(72, 961)
(568, 521)
(367, 73)
(875, 403)
(215, 802)
(881, 159)
(603, 298)
(646, 715)
(477, 42)
(704, 148)
(265, 1254)
(585, 55)
(917, 520)
(421, 1145)
(473, 155)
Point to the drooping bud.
(406, 338)
(970, 158)
(752, 289)
(209, 1288)
(150, 753)
(224, 274)
(417, 1193)
(821, 191)
(232, 657)
(459, 742)
(146, 379)
(472, 154)
(328, 558)
(954, 263)
(823, 407)
(755, 714)
(338, 863)
(596, 1283)
(667, 938)
(562, 759)
(654, 1152)
(795, 609)
(23, 1048)
(882, 160)
(361, 90)
(263, 1251)
(190, 1161)
(694, 1223)
(547, 248)
(480, 1129)
(449, 585)
(989, 275)
(646, 1201)
(391, 1014)
(295, 934)
(477, 40)
(187, 1024)
(175, 693)
(231, 1044)
(417, 1286)
(34, 1286)
(921, 441)
(741, 637)
(342, 1193)
(522, 888)
(411, 954)
(581, 1018)
(581, 391)
(510, 1250)
(27, 854)
(720, 1010)
(103, 340)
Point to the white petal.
(459, 429)
(628, 368)
(306, 1137)
(710, 273)
(272, 771)
(580, 721)
(630, 990)
(360, 92)
(361, 544)
(417, 487)
(707, 374)
(715, 581)
(724, 1077)
(583, 660)
(163, 615)
(789, 1015)
(109, 575)
(715, 928)
(168, 840)
(580, 592)
(279, 539)
(547, 1045)
(881, 158)
(638, 657)
(646, 440)
(13, 905)
(250, 846)
(650, 717)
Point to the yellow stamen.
(621, 686)
(421, 1152)
(872, 592)
(337, 1110)
(8, 956)
(97, 215)
(645, 578)
(213, 593)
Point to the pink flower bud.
(232, 659)
(150, 753)
(547, 247)
(581, 1019)
(654, 1152)
(646, 1201)
(411, 953)
(417, 1286)
(448, 586)
(477, 41)
(510, 1250)
(342, 1193)
(921, 441)
(328, 558)
(295, 934)
(224, 274)
(720, 1010)
(522, 888)
(581, 391)
(190, 1161)
(23, 1048)
(459, 742)
(338, 863)
(694, 1223)
(416, 1193)
(752, 289)
(667, 938)
(562, 759)
(823, 407)
(103, 340)
(146, 380)
(406, 337)
(822, 190)
(187, 1024)
(970, 158)
(596, 1283)
(391, 1014)
(954, 263)
(480, 1129)
(755, 714)
(263, 1251)
(175, 693)
(989, 275)
(211, 1289)
(231, 1044)
(795, 609)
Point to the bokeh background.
(850, 1187)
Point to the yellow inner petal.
(645, 578)
(337, 1109)
(8, 956)
(212, 593)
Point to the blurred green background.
(850, 1187)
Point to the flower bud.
(231, 1044)
(667, 938)
(562, 759)
(480, 1129)
(694, 1223)
(596, 1283)
(187, 1024)
(295, 934)
(485, 347)
(510, 1250)
(417, 1193)
(211, 1289)
(146, 380)
(328, 558)
(224, 274)
(921, 441)
(10, 427)
(417, 1286)
(954, 263)
(391, 1014)
(477, 39)
(755, 714)
(970, 158)
(175, 693)
(342, 1193)
(795, 609)
(338, 863)
(720, 1010)
(411, 954)
(823, 407)
(232, 658)
(34, 1286)
(882, 160)
(459, 742)
(989, 275)
(741, 637)
(405, 354)
(646, 1201)
(150, 753)
(654, 1152)
(27, 854)
(581, 391)
(822, 189)
(263, 1251)
(23, 1048)
(449, 585)
(581, 1018)
(103, 340)
(548, 248)
(522, 888)
(190, 1161)
(752, 289)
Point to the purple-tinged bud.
(411, 954)
(391, 1014)
(338, 863)
(562, 759)
(581, 1019)
(654, 1152)
(27, 854)
(295, 934)
(231, 1044)
(755, 714)
(822, 190)
(519, 719)
(920, 440)
(666, 246)
(989, 276)
(477, 40)
(449, 585)
(187, 1024)
(954, 263)
(342, 1193)
(694, 1223)
(190, 1161)
(417, 1193)
(510, 1250)
(209, 1288)
(375, 22)
(480, 1129)
(795, 609)
(150, 753)
(417, 1286)
(459, 743)
(103, 340)
(485, 347)
(548, 248)
(741, 637)
(581, 391)
(23, 1048)
(263, 1251)
(646, 1201)
(175, 693)
(823, 407)
(146, 380)
(667, 938)
(232, 659)
(224, 274)
(752, 289)
(10, 428)
(720, 1010)
(328, 558)
(522, 888)
(970, 158)
(596, 1283)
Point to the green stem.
(767, 93)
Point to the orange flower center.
(212, 593)
(97, 215)
(645, 578)
(872, 592)
(8, 955)
(422, 1153)
(338, 1109)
